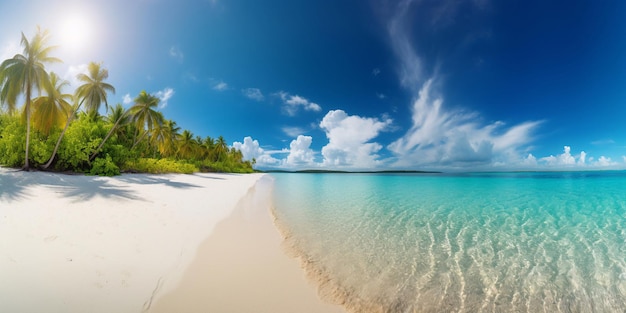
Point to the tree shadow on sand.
(145, 179)
(12, 186)
(85, 190)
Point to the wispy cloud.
(164, 95)
(292, 103)
(177, 54)
(293, 131)
(603, 142)
(253, 93)
(220, 86)
(443, 137)
(376, 71)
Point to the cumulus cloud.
(177, 54)
(292, 103)
(567, 160)
(164, 95)
(349, 139)
(127, 99)
(220, 86)
(300, 152)
(253, 93)
(251, 149)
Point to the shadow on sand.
(14, 185)
(146, 179)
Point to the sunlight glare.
(75, 32)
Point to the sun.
(74, 33)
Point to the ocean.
(480, 242)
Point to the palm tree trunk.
(138, 140)
(56, 147)
(28, 92)
(106, 137)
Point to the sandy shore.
(97, 244)
(241, 268)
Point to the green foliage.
(159, 166)
(104, 167)
(81, 139)
(12, 138)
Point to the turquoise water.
(503, 242)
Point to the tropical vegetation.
(43, 126)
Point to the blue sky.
(358, 84)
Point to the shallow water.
(503, 242)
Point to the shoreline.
(72, 243)
(242, 267)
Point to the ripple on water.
(402, 243)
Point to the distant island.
(321, 171)
(59, 131)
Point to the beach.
(72, 243)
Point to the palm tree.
(53, 109)
(118, 117)
(166, 136)
(187, 145)
(93, 92)
(221, 147)
(20, 74)
(145, 115)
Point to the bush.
(104, 167)
(159, 166)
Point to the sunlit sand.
(96, 244)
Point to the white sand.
(95, 244)
(242, 268)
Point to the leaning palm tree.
(145, 115)
(92, 93)
(53, 109)
(118, 117)
(25, 72)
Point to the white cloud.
(220, 86)
(293, 131)
(604, 162)
(164, 95)
(177, 54)
(448, 138)
(300, 152)
(252, 150)
(253, 93)
(127, 99)
(380, 95)
(603, 142)
(292, 103)
(567, 160)
(349, 140)
(376, 71)
(72, 72)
